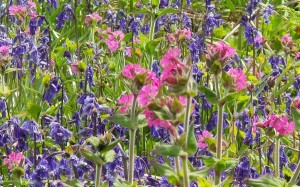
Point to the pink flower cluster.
(113, 40)
(172, 66)
(4, 50)
(296, 103)
(180, 35)
(13, 160)
(201, 139)
(239, 78)
(221, 52)
(22, 12)
(287, 39)
(280, 124)
(94, 17)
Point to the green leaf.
(72, 183)
(89, 155)
(230, 5)
(220, 165)
(122, 120)
(167, 11)
(95, 141)
(127, 37)
(34, 110)
(109, 156)
(266, 180)
(163, 169)
(231, 96)
(111, 145)
(296, 118)
(9, 70)
(210, 95)
(142, 11)
(155, 2)
(203, 173)
(169, 150)
(286, 86)
(191, 141)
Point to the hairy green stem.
(219, 130)
(184, 159)
(132, 133)
(277, 157)
(98, 175)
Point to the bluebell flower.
(33, 26)
(41, 172)
(65, 15)
(267, 12)
(283, 158)
(288, 103)
(163, 3)
(145, 29)
(269, 153)
(59, 133)
(3, 109)
(156, 69)
(253, 4)
(89, 76)
(212, 21)
(53, 3)
(205, 104)
(249, 138)
(197, 47)
(54, 88)
(197, 73)
(267, 171)
(196, 112)
(186, 21)
(90, 104)
(32, 128)
(134, 26)
(63, 168)
(76, 118)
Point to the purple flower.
(59, 133)
(31, 127)
(249, 138)
(197, 73)
(205, 104)
(267, 12)
(269, 153)
(212, 21)
(253, 4)
(3, 109)
(89, 75)
(163, 3)
(90, 105)
(41, 172)
(54, 88)
(186, 21)
(134, 25)
(156, 69)
(197, 47)
(65, 15)
(53, 3)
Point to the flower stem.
(98, 175)
(219, 131)
(186, 182)
(131, 154)
(184, 159)
(132, 133)
(277, 157)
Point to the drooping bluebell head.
(59, 133)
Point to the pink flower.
(13, 160)
(112, 44)
(154, 121)
(74, 67)
(31, 4)
(286, 39)
(201, 139)
(33, 14)
(131, 70)
(119, 35)
(4, 50)
(171, 38)
(148, 93)
(125, 100)
(297, 56)
(171, 58)
(239, 78)
(16, 9)
(128, 51)
(260, 40)
(94, 17)
(296, 103)
(280, 124)
(187, 33)
(221, 52)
